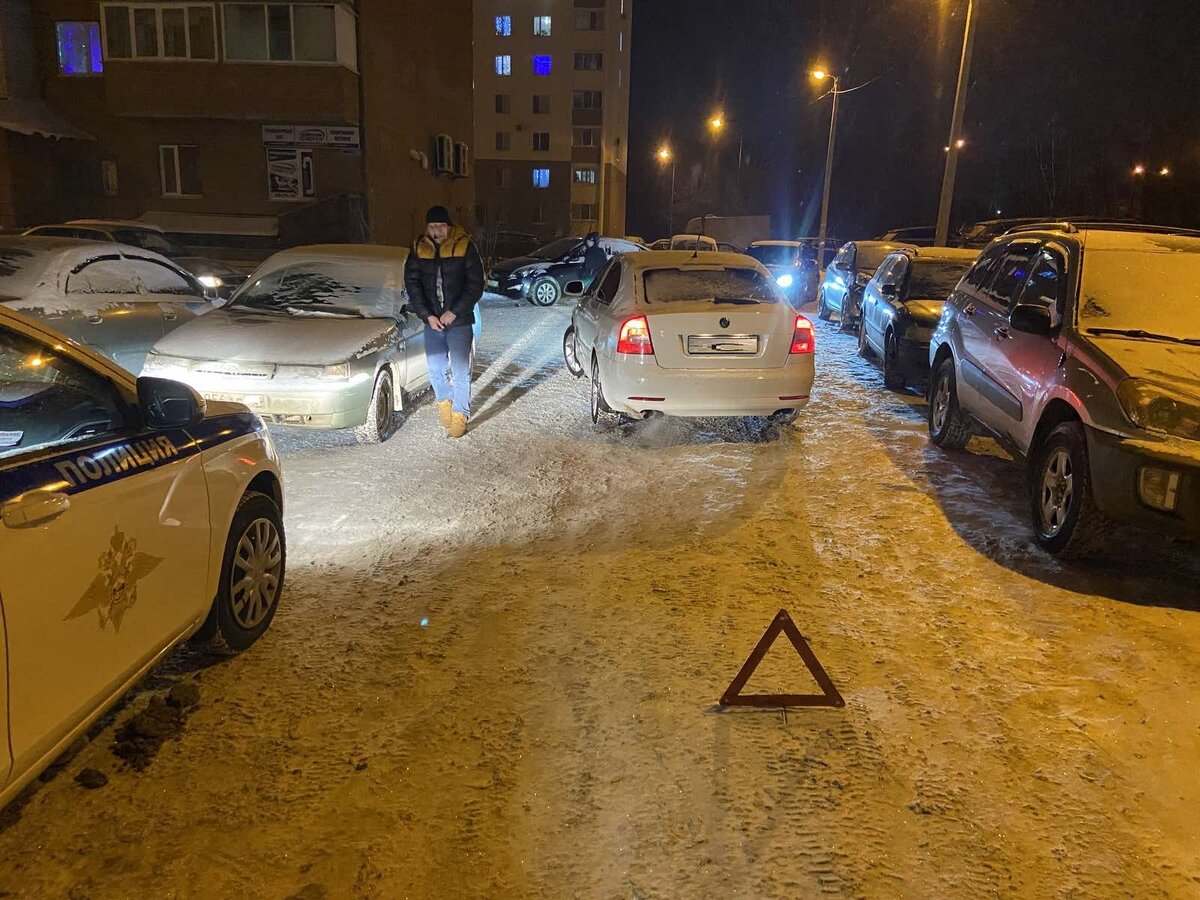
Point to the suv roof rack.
(1074, 226)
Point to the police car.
(132, 516)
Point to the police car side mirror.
(168, 404)
(574, 287)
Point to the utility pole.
(953, 145)
(828, 169)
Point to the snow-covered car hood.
(1173, 365)
(236, 334)
(925, 310)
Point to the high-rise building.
(551, 115)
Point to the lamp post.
(665, 156)
(821, 75)
(716, 124)
(955, 143)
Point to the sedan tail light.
(634, 337)
(804, 339)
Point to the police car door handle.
(33, 508)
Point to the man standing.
(444, 279)
(594, 258)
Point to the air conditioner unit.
(461, 160)
(443, 154)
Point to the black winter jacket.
(462, 277)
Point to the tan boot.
(445, 407)
(458, 425)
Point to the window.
(589, 62)
(981, 273)
(504, 177)
(503, 103)
(1045, 285)
(587, 99)
(1012, 273)
(589, 20)
(503, 140)
(585, 174)
(504, 65)
(158, 278)
(74, 403)
(541, 26)
(160, 31)
(462, 159)
(541, 141)
(585, 137)
(79, 50)
(609, 280)
(443, 153)
(584, 212)
(179, 169)
(280, 32)
(102, 275)
(504, 26)
(539, 213)
(541, 64)
(541, 178)
(541, 104)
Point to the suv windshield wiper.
(1148, 335)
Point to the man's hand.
(435, 323)
(448, 318)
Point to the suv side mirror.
(1032, 318)
(169, 404)
(573, 287)
(888, 290)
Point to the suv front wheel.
(1066, 520)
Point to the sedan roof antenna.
(696, 251)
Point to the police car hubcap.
(255, 576)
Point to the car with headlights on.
(901, 305)
(690, 334)
(793, 265)
(133, 515)
(841, 287)
(542, 276)
(318, 337)
(220, 278)
(1079, 348)
(117, 299)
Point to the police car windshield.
(21, 270)
(353, 287)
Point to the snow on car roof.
(945, 253)
(380, 252)
(682, 259)
(777, 244)
(114, 223)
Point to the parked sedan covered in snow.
(318, 337)
(690, 334)
(118, 299)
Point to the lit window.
(541, 64)
(541, 178)
(541, 141)
(504, 65)
(504, 26)
(585, 174)
(589, 62)
(541, 26)
(179, 170)
(79, 51)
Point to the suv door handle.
(33, 508)
(1002, 332)
(969, 309)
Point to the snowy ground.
(1013, 726)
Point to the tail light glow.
(634, 337)
(804, 339)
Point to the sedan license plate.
(722, 344)
(251, 400)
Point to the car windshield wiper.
(1148, 335)
(317, 309)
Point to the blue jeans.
(450, 349)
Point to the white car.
(690, 334)
(701, 242)
(132, 517)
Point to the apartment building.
(268, 123)
(551, 115)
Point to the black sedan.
(901, 306)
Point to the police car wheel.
(381, 415)
(252, 572)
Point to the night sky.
(1065, 97)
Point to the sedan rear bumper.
(639, 385)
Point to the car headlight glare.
(784, 280)
(1157, 408)
(210, 281)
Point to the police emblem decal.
(113, 592)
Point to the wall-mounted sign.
(290, 174)
(342, 136)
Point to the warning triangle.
(782, 622)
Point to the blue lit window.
(504, 26)
(541, 65)
(541, 178)
(79, 48)
(504, 65)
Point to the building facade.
(551, 115)
(250, 123)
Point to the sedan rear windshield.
(1156, 292)
(729, 285)
(775, 255)
(368, 288)
(935, 280)
(21, 270)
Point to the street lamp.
(821, 75)
(716, 125)
(665, 156)
(955, 143)
(1139, 169)
(1164, 171)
